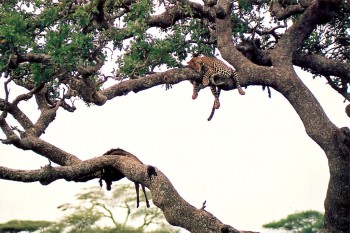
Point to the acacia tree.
(56, 51)
(303, 222)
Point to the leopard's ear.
(192, 63)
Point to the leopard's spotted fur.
(211, 67)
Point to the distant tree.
(309, 221)
(93, 207)
(14, 226)
(54, 53)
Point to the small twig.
(203, 205)
(109, 215)
(15, 128)
(6, 100)
(28, 95)
(342, 91)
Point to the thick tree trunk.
(334, 141)
(337, 203)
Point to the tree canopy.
(309, 221)
(59, 52)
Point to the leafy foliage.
(62, 50)
(95, 213)
(23, 225)
(95, 209)
(301, 222)
(78, 35)
(332, 39)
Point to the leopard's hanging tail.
(209, 67)
(216, 104)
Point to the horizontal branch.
(45, 149)
(49, 174)
(282, 13)
(176, 210)
(178, 12)
(322, 65)
(33, 57)
(172, 76)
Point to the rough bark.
(176, 210)
(316, 123)
(272, 68)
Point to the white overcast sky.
(253, 163)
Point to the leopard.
(210, 67)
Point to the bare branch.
(163, 193)
(11, 137)
(46, 117)
(225, 41)
(28, 95)
(43, 148)
(322, 65)
(22, 118)
(172, 76)
(341, 90)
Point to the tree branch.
(172, 76)
(284, 80)
(163, 193)
(46, 117)
(45, 149)
(22, 119)
(322, 65)
(11, 137)
(319, 12)
(177, 12)
(33, 57)
(224, 37)
(282, 13)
